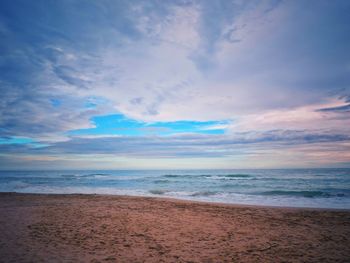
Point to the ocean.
(318, 188)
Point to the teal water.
(322, 188)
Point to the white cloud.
(301, 118)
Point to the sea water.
(320, 188)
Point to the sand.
(96, 228)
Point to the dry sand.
(94, 228)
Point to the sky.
(181, 84)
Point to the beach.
(109, 228)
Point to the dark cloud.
(344, 108)
(66, 74)
(186, 145)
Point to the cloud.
(271, 149)
(30, 112)
(159, 53)
(330, 119)
(343, 108)
(276, 70)
(178, 145)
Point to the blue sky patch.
(118, 124)
(16, 140)
(22, 141)
(55, 102)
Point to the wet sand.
(96, 228)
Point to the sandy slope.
(92, 228)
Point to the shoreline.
(111, 228)
(165, 198)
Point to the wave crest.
(223, 176)
(308, 194)
(158, 191)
